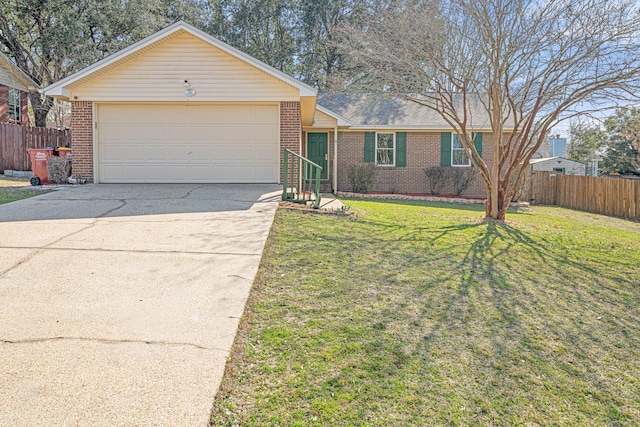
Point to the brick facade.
(290, 130)
(82, 137)
(4, 107)
(423, 150)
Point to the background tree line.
(617, 142)
(51, 39)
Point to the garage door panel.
(115, 132)
(111, 154)
(222, 173)
(265, 116)
(180, 143)
(158, 133)
(224, 154)
(245, 135)
(266, 154)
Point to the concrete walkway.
(119, 303)
(329, 202)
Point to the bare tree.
(518, 66)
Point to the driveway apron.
(119, 303)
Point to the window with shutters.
(458, 155)
(15, 109)
(385, 149)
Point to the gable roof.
(17, 75)
(380, 111)
(60, 88)
(548, 159)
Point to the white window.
(458, 155)
(15, 110)
(385, 149)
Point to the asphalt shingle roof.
(372, 110)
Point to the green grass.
(412, 315)
(12, 189)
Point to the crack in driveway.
(110, 341)
(133, 251)
(123, 203)
(37, 250)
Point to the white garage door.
(174, 143)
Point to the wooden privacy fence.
(15, 139)
(603, 195)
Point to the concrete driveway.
(119, 303)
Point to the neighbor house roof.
(380, 111)
(14, 76)
(546, 159)
(59, 89)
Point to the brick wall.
(4, 106)
(290, 130)
(82, 137)
(423, 150)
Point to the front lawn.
(423, 315)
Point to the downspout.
(335, 160)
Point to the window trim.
(454, 137)
(386, 149)
(15, 108)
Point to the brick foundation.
(82, 137)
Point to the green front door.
(317, 151)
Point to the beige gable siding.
(7, 79)
(323, 121)
(159, 74)
(570, 167)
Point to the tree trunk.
(40, 108)
(498, 203)
(495, 194)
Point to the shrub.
(437, 177)
(362, 177)
(462, 178)
(58, 169)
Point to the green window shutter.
(445, 149)
(401, 149)
(369, 147)
(477, 141)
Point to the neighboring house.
(182, 106)
(558, 165)
(14, 88)
(553, 146)
(558, 147)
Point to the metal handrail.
(301, 180)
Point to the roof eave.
(341, 121)
(418, 128)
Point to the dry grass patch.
(415, 314)
(15, 188)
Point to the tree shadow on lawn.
(534, 342)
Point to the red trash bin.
(39, 159)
